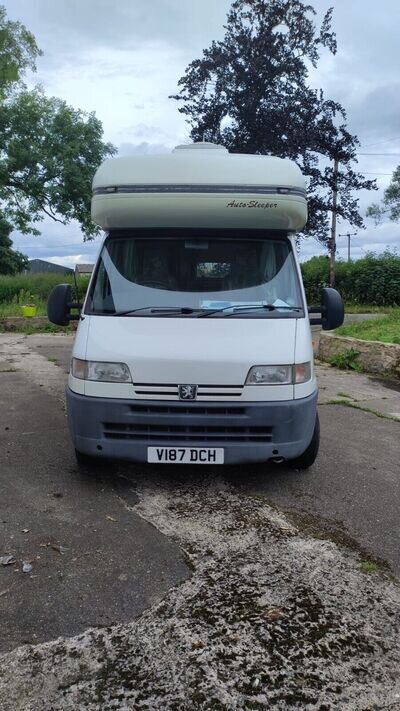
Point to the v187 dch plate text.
(185, 455)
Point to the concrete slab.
(94, 561)
(382, 396)
(56, 347)
(388, 407)
(352, 493)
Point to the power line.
(384, 140)
(378, 154)
(365, 172)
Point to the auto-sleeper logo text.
(253, 203)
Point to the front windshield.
(210, 272)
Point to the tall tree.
(256, 76)
(390, 206)
(11, 261)
(48, 150)
(18, 52)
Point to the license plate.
(185, 455)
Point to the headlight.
(279, 374)
(270, 375)
(104, 372)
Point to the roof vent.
(200, 146)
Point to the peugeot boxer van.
(193, 344)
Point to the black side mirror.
(331, 310)
(59, 306)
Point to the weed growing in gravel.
(369, 566)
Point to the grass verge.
(368, 309)
(385, 329)
(15, 309)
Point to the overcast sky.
(122, 58)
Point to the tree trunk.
(332, 242)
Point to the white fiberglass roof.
(199, 163)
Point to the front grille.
(185, 433)
(193, 409)
(168, 391)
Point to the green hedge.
(26, 287)
(375, 279)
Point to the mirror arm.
(316, 310)
(74, 305)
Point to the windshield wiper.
(157, 310)
(245, 307)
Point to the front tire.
(307, 459)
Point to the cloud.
(70, 260)
(373, 239)
(378, 110)
(144, 148)
(125, 24)
(57, 242)
(118, 85)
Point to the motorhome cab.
(194, 344)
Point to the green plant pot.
(29, 310)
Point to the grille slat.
(155, 393)
(215, 394)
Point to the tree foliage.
(390, 206)
(48, 155)
(257, 77)
(11, 262)
(48, 150)
(18, 51)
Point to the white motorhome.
(194, 342)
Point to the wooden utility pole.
(332, 243)
(348, 235)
